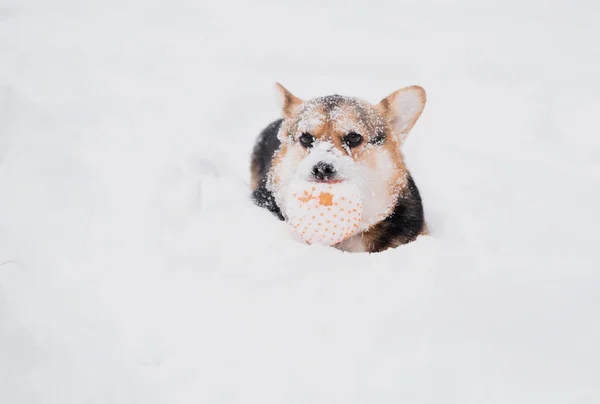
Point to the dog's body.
(333, 139)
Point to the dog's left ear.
(402, 108)
(288, 102)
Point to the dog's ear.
(289, 102)
(402, 108)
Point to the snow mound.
(135, 269)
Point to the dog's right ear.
(403, 107)
(289, 102)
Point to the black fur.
(262, 157)
(403, 226)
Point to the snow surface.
(134, 269)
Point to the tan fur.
(254, 176)
(369, 238)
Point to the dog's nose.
(323, 171)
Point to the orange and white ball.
(324, 213)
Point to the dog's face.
(336, 138)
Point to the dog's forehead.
(339, 114)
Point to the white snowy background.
(134, 268)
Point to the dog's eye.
(377, 140)
(353, 139)
(306, 140)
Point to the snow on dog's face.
(335, 138)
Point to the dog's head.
(337, 138)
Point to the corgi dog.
(337, 138)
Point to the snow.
(134, 269)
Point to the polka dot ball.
(324, 213)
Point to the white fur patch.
(373, 182)
(374, 185)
